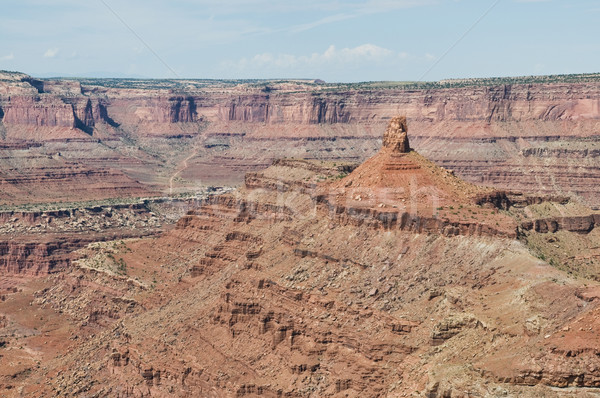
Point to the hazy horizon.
(337, 41)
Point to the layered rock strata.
(264, 292)
(540, 136)
(37, 243)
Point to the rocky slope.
(37, 242)
(537, 135)
(291, 287)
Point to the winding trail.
(182, 166)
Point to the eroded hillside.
(298, 285)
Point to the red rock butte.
(402, 184)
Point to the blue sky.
(334, 40)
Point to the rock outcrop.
(398, 188)
(30, 258)
(579, 224)
(38, 243)
(395, 137)
(47, 111)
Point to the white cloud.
(331, 56)
(8, 57)
(51, 53)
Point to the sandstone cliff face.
(538, 137)
(293, 108)
(32, 259)
(37, 112)
(51, 111)
(579, 224)
(155, 110)
(518, 103)
(46, 104)
(549, 102)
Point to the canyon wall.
(58, 103)
(541, 137)
(540, 102)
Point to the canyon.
(448, 252)
(145, 137)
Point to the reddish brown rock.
(395, 137)
(278, 294)
(315, 278)
(531, 137)
(37, 112)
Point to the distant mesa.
(396, 135)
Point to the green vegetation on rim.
(269, 85)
